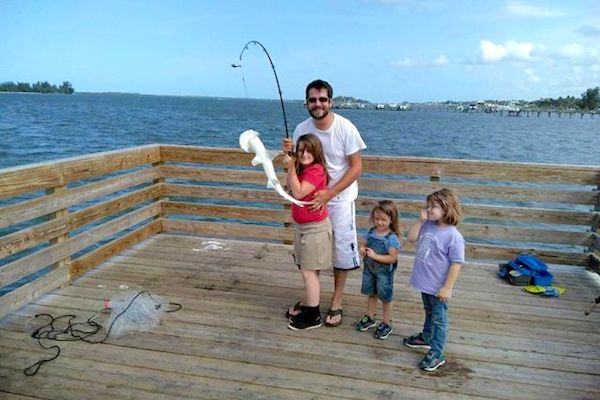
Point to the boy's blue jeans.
(435, 328)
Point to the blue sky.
(378, 50)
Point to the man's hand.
(290, 162)
(287, 145)
(320, 199)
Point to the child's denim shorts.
(378, 279)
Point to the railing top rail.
(425, 166)
(40, 176)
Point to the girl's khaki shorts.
(312, 245)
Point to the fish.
(250, 142)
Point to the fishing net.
(134, 311)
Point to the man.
(342, 144)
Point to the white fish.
(251, 143)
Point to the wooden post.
(63, 213)
(160, 180)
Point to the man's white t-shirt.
(341, 140)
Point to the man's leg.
(346, 257)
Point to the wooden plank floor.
(231, 339)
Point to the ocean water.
(37, 127)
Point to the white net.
(134, 311)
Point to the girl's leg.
(312, 288)
(428, 325)
(387, 313)
(372, 306)
(439, 324)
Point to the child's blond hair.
(447, 200)
(388, 208)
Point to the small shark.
(251, 143)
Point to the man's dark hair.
(320, 84)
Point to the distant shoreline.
(339, 104)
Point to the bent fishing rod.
(239, 65)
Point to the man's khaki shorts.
(312, 245)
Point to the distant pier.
(512, 110)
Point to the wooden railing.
(58, 219)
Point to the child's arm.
(389, 258)
(413, 232)
(446, 291)
(362, 246)
(299, 189)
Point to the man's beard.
(325, 114)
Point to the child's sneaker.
(416, 342)
(305, 321)
(365, 323)
(432, 361)
(383, 331)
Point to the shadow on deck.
(231, 339)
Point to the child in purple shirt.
(440, 253)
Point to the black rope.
(78, 331)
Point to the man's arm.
(323, 196)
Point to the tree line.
(38, 87)
(589, 100)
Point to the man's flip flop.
(333, 313)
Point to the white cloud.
(441, 60)
(572, 50)
(531, 76)
(521, 9)
(492, 52)
(407, 62)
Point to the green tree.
(590, 100)
(66, 87)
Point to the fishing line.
(79, 331)
(239, 65)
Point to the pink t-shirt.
(314, 174)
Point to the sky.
(377, 50)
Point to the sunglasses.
(321, 99)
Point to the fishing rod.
(239, 65)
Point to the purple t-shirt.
(437, 248)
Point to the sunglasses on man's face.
(321, 99)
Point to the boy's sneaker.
(383, 331)
(416, 342)
(432, 361)
(304, 322)
(365, 323)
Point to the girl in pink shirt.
(307, 174)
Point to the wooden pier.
(196, 226)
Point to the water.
(36, 127)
